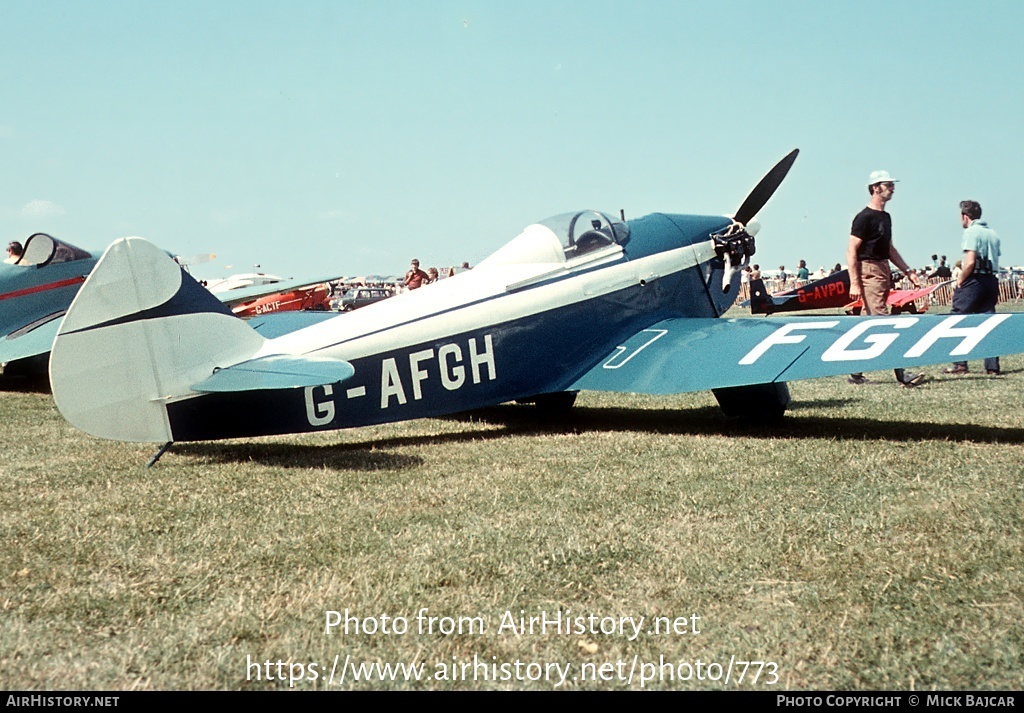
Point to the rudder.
(139, 333)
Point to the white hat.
(880, 177)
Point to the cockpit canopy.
(586, 231)
(563, 238)
(42, 249)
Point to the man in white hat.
(868, 255)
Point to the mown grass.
(872, 541)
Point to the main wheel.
(758, 402)
(552, 406)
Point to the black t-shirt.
(874, 228)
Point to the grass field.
(872, 541)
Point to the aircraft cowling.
(693, 292)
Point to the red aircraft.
(312, 297)
(832, 292)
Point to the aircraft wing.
(685, 354)
(907, 296)
(274, 324)
(901, 298)
(233, 297)
(31, 340)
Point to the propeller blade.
(727, 274)
(764, 190)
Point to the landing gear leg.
(552, 406)
(758, 402)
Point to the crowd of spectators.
(391, 285)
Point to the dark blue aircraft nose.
(660, 232)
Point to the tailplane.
(139, 334)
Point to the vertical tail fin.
(760, 301)
(138, 334)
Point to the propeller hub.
(736, 242)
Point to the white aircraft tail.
(138, 335)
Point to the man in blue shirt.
(977, 288)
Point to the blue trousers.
(978, 295)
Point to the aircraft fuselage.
(497, 333)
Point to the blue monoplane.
(584, 300)
(35, 292)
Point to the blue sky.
(324, 134)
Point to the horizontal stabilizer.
(30, 341)
(276, 372)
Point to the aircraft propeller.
(736, 244)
